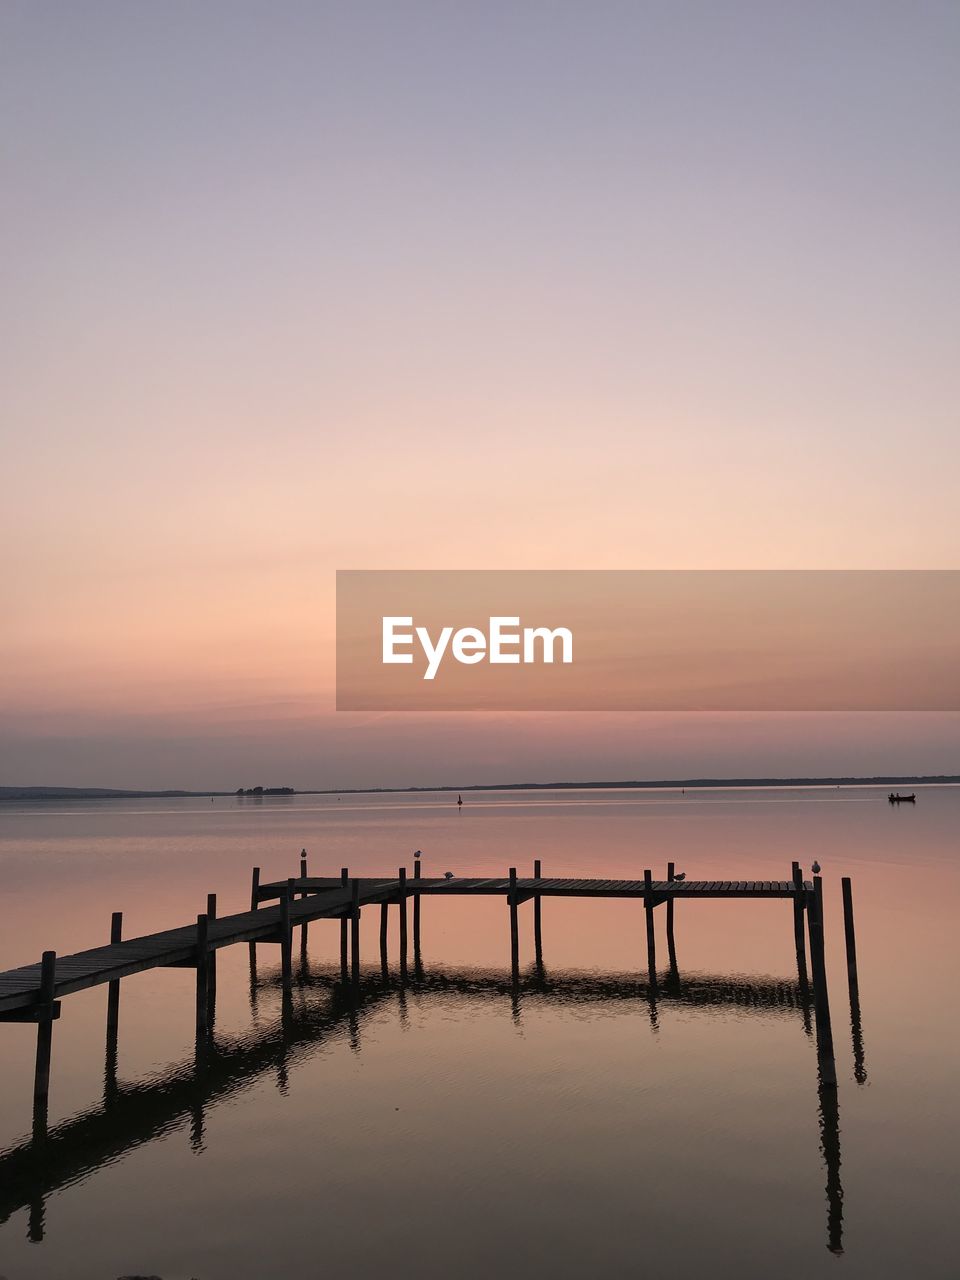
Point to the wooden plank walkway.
(559, 888)
(326, 898)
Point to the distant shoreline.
(9, 795)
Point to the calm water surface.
(580, 1125)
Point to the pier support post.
(255, 889)
(286, 935)
(537, 932)
(821, 1003)
(45, 1015)
(402, 898)
(113, 1014)
(344, 927)
(384, 921)
(651, 937)
(799, 897)
(355, 933)
(304, 894)
(202, 974)
(514, 927)
(417, 958)
(211, 966)
(853, 985)
(671, 942)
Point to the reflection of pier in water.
(131, 1115)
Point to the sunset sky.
(299, 287)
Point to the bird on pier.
(816, 867)
(680, 875)
(448, 875)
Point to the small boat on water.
(896, 798)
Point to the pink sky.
(339, 290)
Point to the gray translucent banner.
(648, 640)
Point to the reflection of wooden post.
(355, 932)
(671, 944)
(651, 938)
(402, 892)
(830, 1146)
(202, 974)
(514, 926)
(537, 936)
(853, 985)
(821, 1003)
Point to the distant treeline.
(265, 791)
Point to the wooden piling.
(286, 935)
(514, 926)
(651, 937)
(418, 873)
(344, 927)
(853, 985)
(113, 988)
(355, 933)
(402, 899)
(799, 902)
(849, 935)
(537, 934)
(821, 1003)
(255, 889)
(45, 1011)
(671, 942)
(384, 922)
(303, 927)
(202, 973)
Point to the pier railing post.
(821, 1003)
(255, 889)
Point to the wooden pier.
(33, 993)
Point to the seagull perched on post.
(680, 875)
(816, 867)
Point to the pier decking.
(20, 989)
